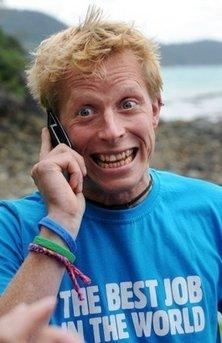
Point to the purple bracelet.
(71, 269)
(60, 231)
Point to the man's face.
(111, 122)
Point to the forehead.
(118, 68)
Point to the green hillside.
(12, 64)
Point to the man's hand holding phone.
(64, 198)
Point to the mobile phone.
(57, 132)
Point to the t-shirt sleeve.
(11, 251)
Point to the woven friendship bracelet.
(46, 243)
(71, 269)
(55, 227)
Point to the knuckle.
(77, 173)
(39, 167)
(33, 170)
(81, 159)
(62, 147)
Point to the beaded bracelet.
(55, 227)
(71, 269)
(46, 243)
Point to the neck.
(122, 197)
(129, 204)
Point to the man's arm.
(40, 275)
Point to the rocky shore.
(191, 148)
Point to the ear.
(156, 106)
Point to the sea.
(191, 92)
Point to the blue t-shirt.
(156, 269)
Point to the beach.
(191, 92)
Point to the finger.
(37, 314)
(9, 333)
(63, 148)
(41, 309)
(26, 320)
(54, 166)
(46, 145)
(57, 335)
(14, 313)
(75, 177)
(81, 162)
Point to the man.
(149, 240)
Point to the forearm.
(38, 276)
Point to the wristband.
(46, 243)
(60, 231)
(71, 269)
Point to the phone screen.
(57, 132)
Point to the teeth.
(117, 157)
(128, 152)
(113, 158)
(116, 164)
(102, 157)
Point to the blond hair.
(84, 48)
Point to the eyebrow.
(130, 90)
(87, 95)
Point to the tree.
(12, 65)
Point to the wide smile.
(115, 160)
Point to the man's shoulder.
(189, 186)
(30, 206)
(179, 179)
(34, 199)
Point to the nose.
(111, 127)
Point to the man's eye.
(128, 104)
(85, 111)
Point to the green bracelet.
(46, 243)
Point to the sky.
(166, 21)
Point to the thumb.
(26, 319)
(46, 145)
(37, 315)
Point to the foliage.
(12, 64)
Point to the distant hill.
(31, 27)
(193, 53)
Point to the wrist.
(56, 228)
(53, 236)
(67, 221)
